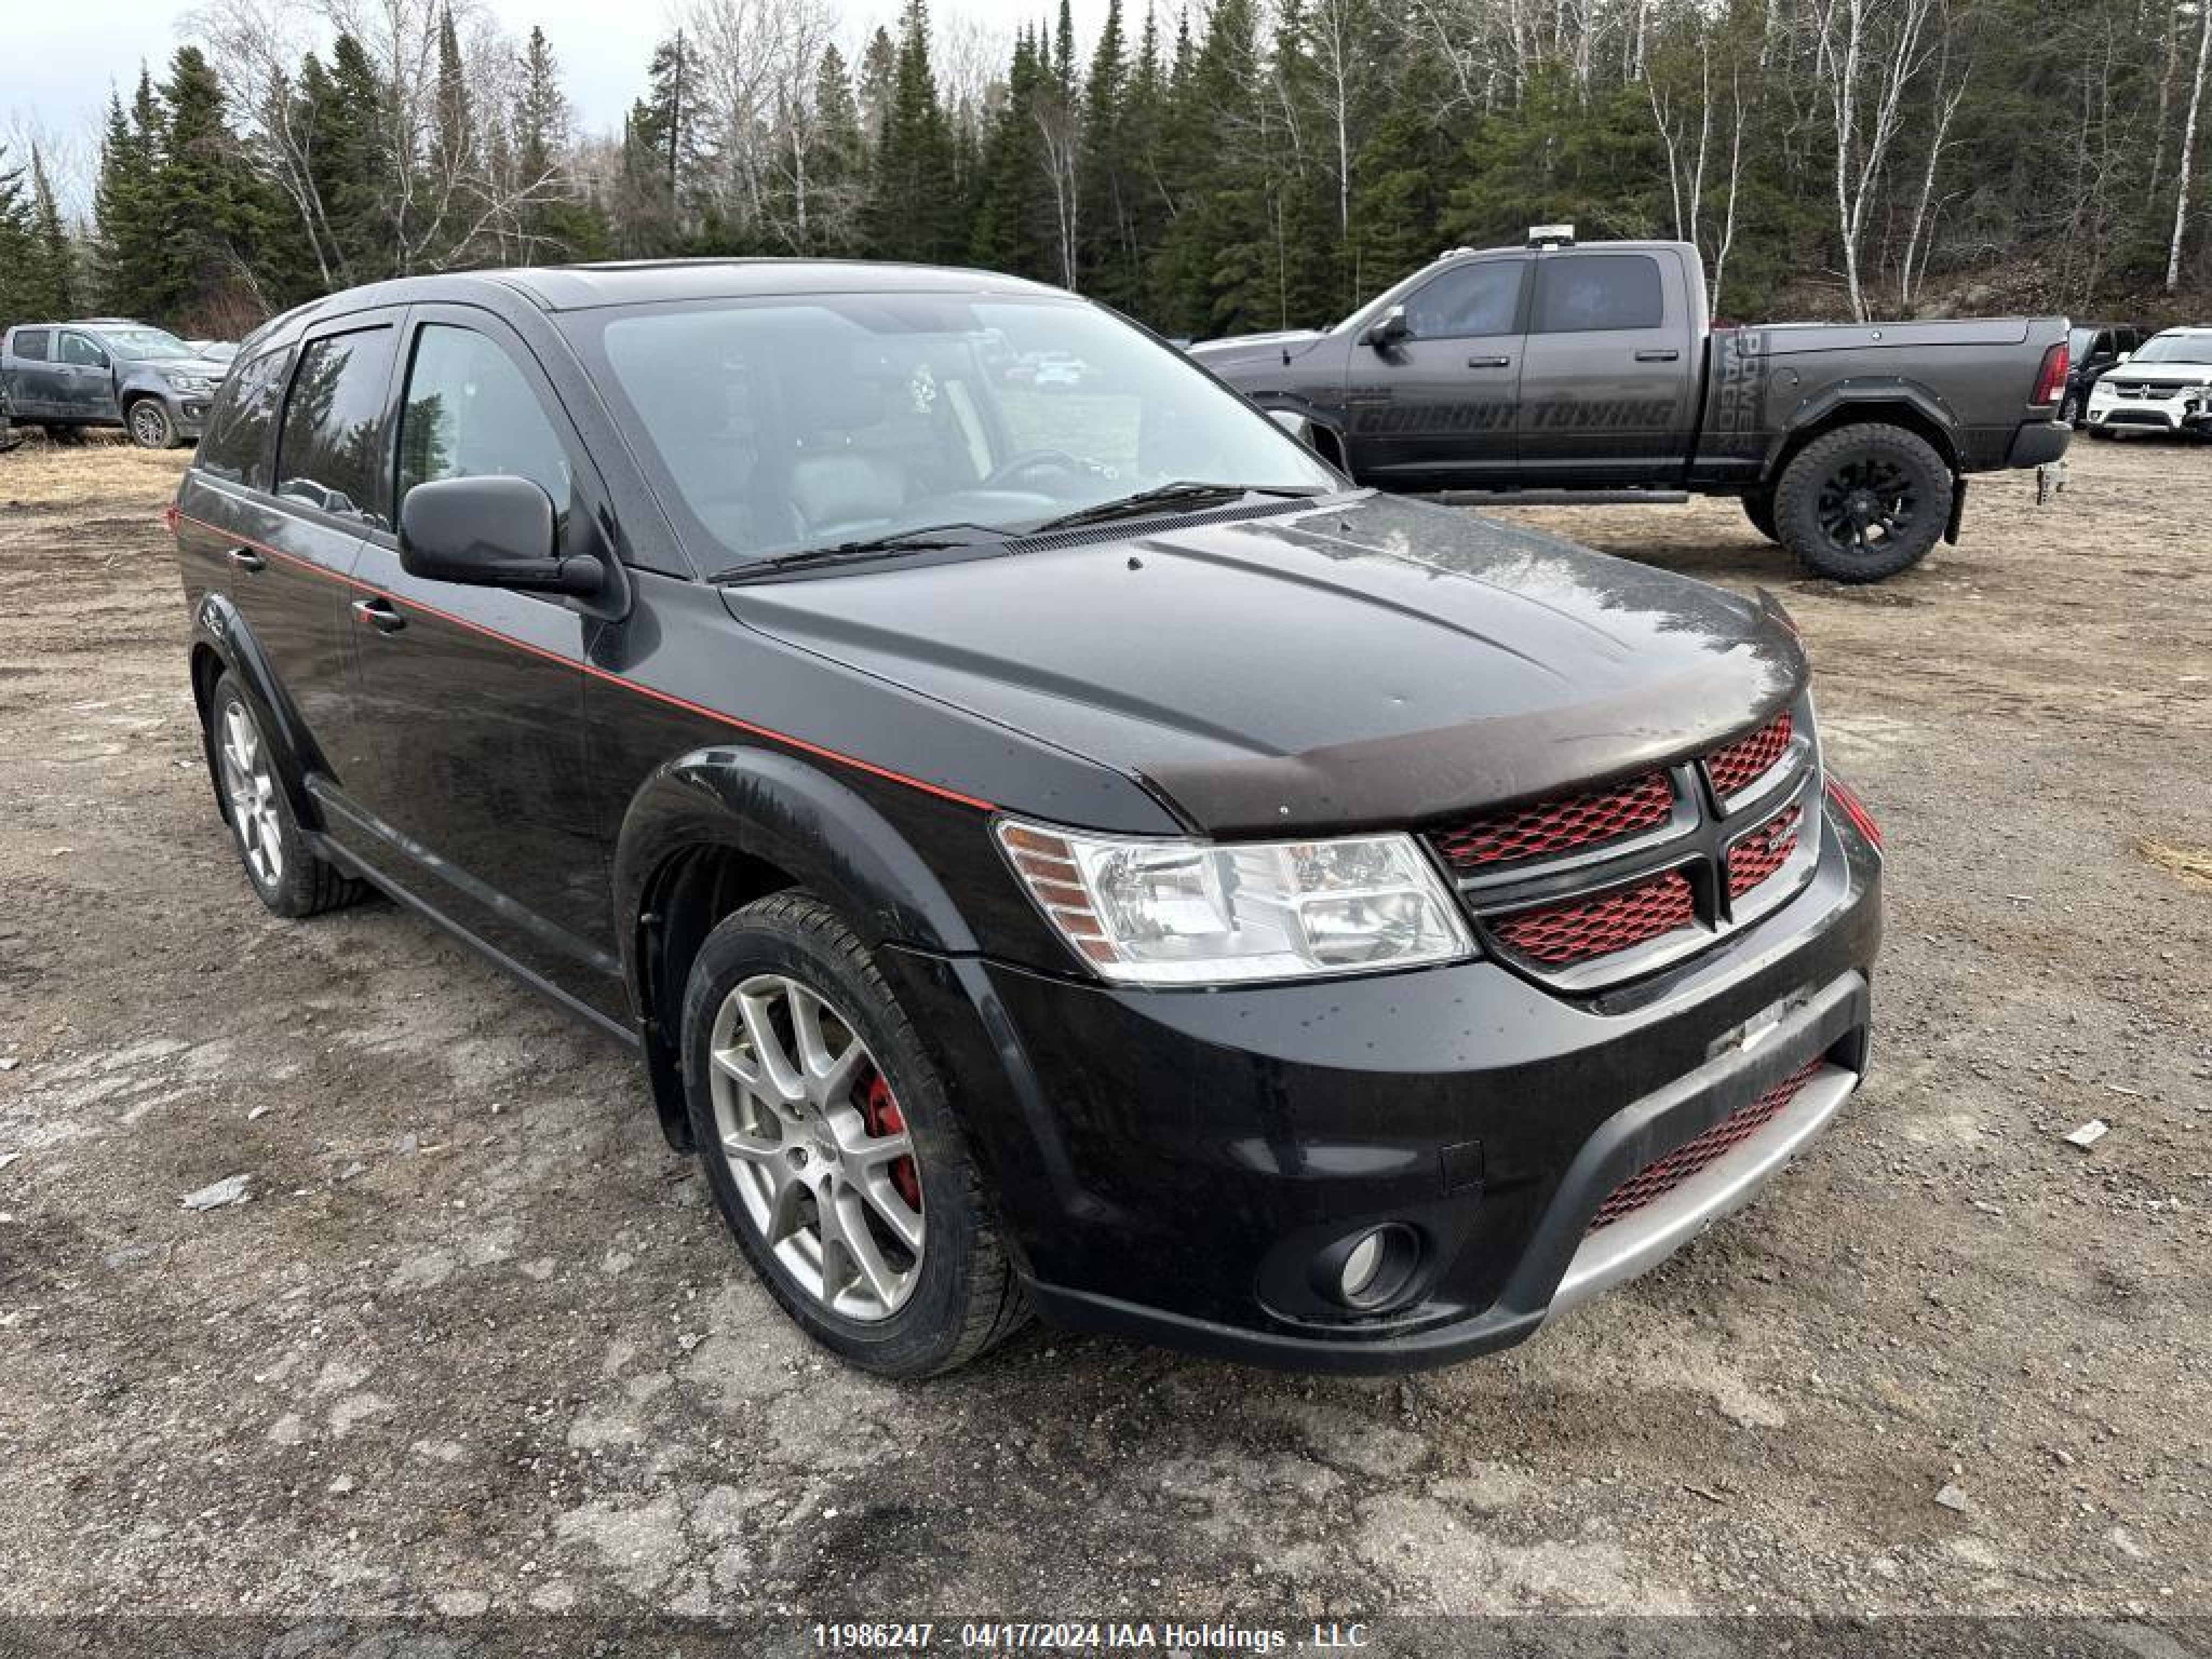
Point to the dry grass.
(103, 470)
(2192, 866)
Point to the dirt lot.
(478, 1341)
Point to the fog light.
(1362, 1267)
(1369, 1270)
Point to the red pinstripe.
(674, 701)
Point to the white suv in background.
(2165, 387)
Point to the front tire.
(2069, 411)
(1758, 507)
(285, 873)
(831, 1147)
(1863, 502)
(149, 424)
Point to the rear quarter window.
(244, 421)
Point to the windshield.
(138, 344)
(2177, 348)
(800, 423)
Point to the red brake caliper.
(884, 1118)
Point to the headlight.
(190, 382)
(1146, 911)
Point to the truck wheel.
(1863, 502)
(831, 1147)
(149, 424)
(1758, 507)
(2070, 411)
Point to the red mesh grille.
(1748, 758)
(1564, 824)
(1764, 851)
(1661, 1176)
(1559, 934)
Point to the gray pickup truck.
(1558, 372)
(108, 372)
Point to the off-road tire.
(149, 424)
(304, 883)
(1899, 471)
(1758, 507)
(967, 1298)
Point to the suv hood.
(2158, 374)
(1364, 661)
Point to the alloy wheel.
(1865, 505)
(148, 426)
(250, 786)
(816, 1147)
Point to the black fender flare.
(219, 628)
(1873, 394)
(782, 811)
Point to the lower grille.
(1579, 929)
(1662, 1175)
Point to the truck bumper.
(2039, 442)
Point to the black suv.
(1053, 846)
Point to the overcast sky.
(62, 56)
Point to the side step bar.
(1560, 497)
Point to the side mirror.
(1390, 328)
(2121, 358)
(490, 532)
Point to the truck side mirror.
(2121, 358)
(1389, 328)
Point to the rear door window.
(331, 456)
(236, 447)
(30, 344)
(1587, 293)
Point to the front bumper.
(2184, 412)
(1173, 1165)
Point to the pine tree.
(22, 297)
(126, 233)
(839, 161)
(913, 207)
(1011, 212)
(53, 261)
(557, 222)
(203, 274)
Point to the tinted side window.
(1467, 300)
(236, 446)
(83, 350)
(334, 424)
(1592, 291)
(30, 344)
(470, 413)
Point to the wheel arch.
(717, 829)
(224, 643)
(1896, 404)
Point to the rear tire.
(801, 1072)
(1758, 507)
(1863, 502)
(2069, 411)
(285, 873)
(149, 424)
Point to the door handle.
(377, 613)
(246, 559)
(1662, 355)
(1490, 362)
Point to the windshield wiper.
(1187, 492)
(925, 539)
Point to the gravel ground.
(478, 1341)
